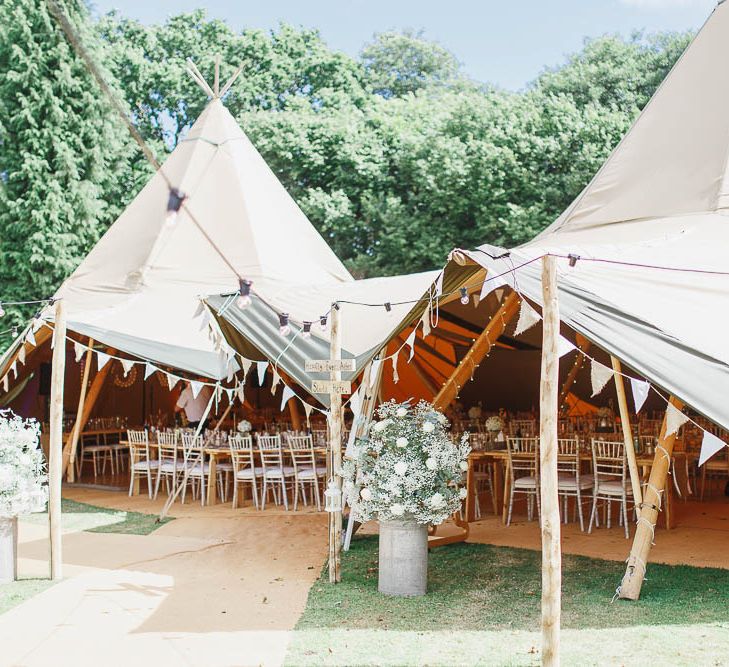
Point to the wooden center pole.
(648, 515)
(76, 432)
(335, 446)
(627, 432)
(55, 447)
(548, 411)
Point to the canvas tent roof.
(139, 288)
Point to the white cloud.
(667, 4)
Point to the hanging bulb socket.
(284, 329)
(323, 322)
(572, 259)
(14, 332)
(306, 331)
(174, 202)
(464, 296)
(244, 294)
(388, 308)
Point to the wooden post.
(335, 445)
(293, 404)
(638, 559)
(627, 432)
(76, 432)
(478, 351)
(548, 411)
(584, 345)
(55, 447)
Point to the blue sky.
(506, 42)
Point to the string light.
(388, 308)
(174, 202)
(284, 328)
(14, 331)
(244, 294)
(464, 296)
(323, 322)
(306, 332)
(572, 259)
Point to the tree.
(64, 160)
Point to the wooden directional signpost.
(335, 387)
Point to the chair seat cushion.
(321, 470)
(277, 472)
(169, 466)
(225, 467)
(249, 473)
(146, 465)
(307, 473)
(613, 489)
(197, 469)
(567, 483)
(527, 482)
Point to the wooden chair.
(274, 470)
(140, 461)
(570, 481)
(522, 428)
(306, 471)
(523, 458)
(170, 467)
(195, 469)
(612, 484)
(244, 466)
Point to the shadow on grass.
(475, 587)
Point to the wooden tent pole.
(478, 351)
(584, 345)
(638, 559)
(91, 397)
(76, 432)
(55, 447)
(548, 411)
(627, 432)
(294, 413)
(335, 446)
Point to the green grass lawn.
(483, 607)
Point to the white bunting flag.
(528, 317)
(36, 324)
(149, 369)
(355, 403)
(307, 409)
(230, 392)
(231, 368)
(641, 389)
(245, 364)
(30, 338)
(439, 284)
(21, 355)
(275, 381)
(205, 321)
(195, 388)
(675, 419)
(499, 294)
(14, 369)
(101, 360)
(600, 375)
(242, 392)
(6, 384)
(261, 367)
(78, 350)
(172, 380)
(127, 365)
(286, 396)
(410, 341)
(425, 319)
(491, 284)
(374, 370)
(564, 346)
(395, 376)
(710, 445)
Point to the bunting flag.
(286, 396)
(30, 338)
(499, 294)
(675, 419)
(205, 320)
(395, 376)
(710, 445)
(307, 409)
(600, 375)
(242, 392)
(36, 324)
(491, 285)
(6, 384)
(195, 388)
(355, 403)
(425, 319)
(275, 381)
(78, 350)
(528, 317)
(564, 346)
(640, 392)
(14, 369)
(149, 369)
(410, 341)
(439, 284)
(245, 364)
(231, 368)
(172, 380)
(261, 367)
(127, 365)
(374, 370)
(230, 392)
(200, 308)
(21, 354)
(101, 360)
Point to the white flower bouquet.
(23, 479)
(494, 424)
(408, 467)
(244, 426)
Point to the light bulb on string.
(464, 296)
(14, 331)
(572, 259)
(323, 322)
(244, 294)
(284, 328)
(306, 331)
(174, 202)
(388, 308)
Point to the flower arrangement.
(494, 423)
(244, 426)
(408, 467)
(23, 479)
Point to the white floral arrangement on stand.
(23, 479)
(408, 468)
(244, 426)
(494, 424)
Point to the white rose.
(396, 509)
(463, 465)
(431, 464)
(436, 500)
(381, 426)
(428, 427)
(401, 412)
(365, 494)
(401, 442)
(401, 467)
(462, 493)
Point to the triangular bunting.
(410, 341)
(288, 394)
(564, 346)
(30, 338)
(21, 355)
(640, 388)
(127, 365)
(528, 317)
(261, 367)
(6, 384)
(149, 369)
(36, 324)
(425, 319)
(675, 419)
(172, 380)
(710, 445)
(242, 392)
(101, 360)
(600, 375)
(14, 369)
(491, 284)
(245, 364)
(78, 350)
(499, 294)
(230, 392)
(395, 376)
(275, 381)
(307, 409)
(195, 388)
(355, 402)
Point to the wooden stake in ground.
(55, 447)
(652, 503)
(548, 410)
(335, 446)
(627, 432)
